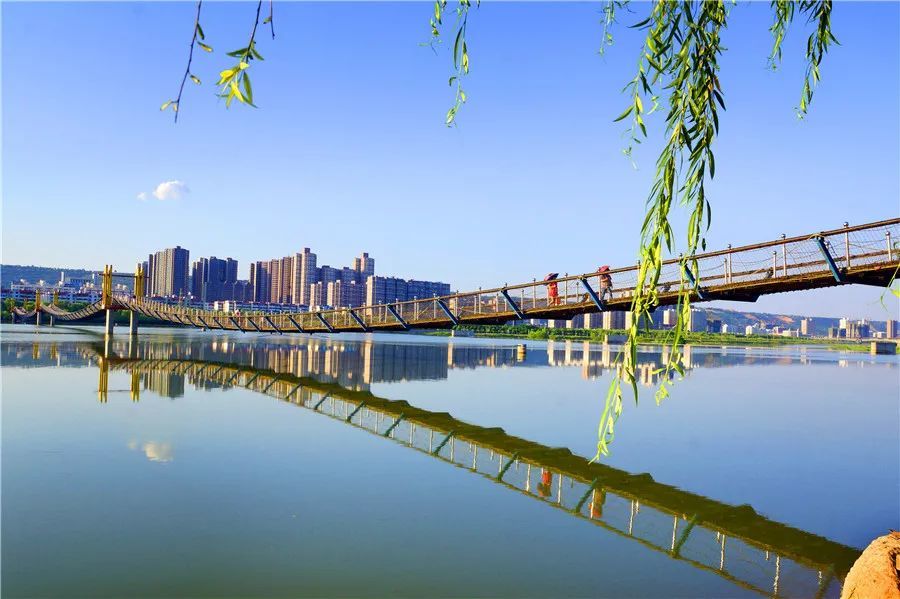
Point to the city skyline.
(290, 280)
(548, 184)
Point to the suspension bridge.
(734, 542)
(867, 254)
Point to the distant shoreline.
(653, 337)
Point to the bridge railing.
(786, 261)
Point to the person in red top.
(552, 289)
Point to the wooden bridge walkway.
(866, 254)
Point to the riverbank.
(652, 337)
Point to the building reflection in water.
(332, 377)
(356, 365)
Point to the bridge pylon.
(106, 287)
(37, 307)
(139, 278)
(106, 299)
(140, 282)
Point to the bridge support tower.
(106, 300)
(37, 308)
(139, 281)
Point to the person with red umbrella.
(605, 282)
(552, 289)
(605, 288)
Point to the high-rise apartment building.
(287, 281)
(613, 319)
(669, 318)
(806, 326)
(383, 290)
(213, 279)
(259, 282)
(274, 290)
(293, 280)
(241, 291)
(365, 266)
(317, 294)
(697, 321)
(592, 321)
(304, 274)
(327, 274)
(340, 294)
(168, 272)
(891, 329)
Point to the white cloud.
(167, 190)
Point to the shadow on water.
(332, 378)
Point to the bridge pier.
(132, 323)
(110, 323)
(37, 318)
(52, 320)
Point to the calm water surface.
(197, 464)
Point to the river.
(206, 465)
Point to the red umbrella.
(551, 276)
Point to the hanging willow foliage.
(679, 63)
(680, 57)
(678, 68)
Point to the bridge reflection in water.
(733, 542)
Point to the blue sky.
(348, 151)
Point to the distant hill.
(738, 320)
(12, 273)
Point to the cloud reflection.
(155, 451)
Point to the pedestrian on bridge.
(605, 289)
(552, 289)
(605, 282)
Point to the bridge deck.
(866, 254)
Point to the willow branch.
(187, 70)
(255, 25)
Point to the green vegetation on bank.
(652, 336)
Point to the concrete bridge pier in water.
(107, 300)
(110, 323)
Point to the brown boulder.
(875, 574)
